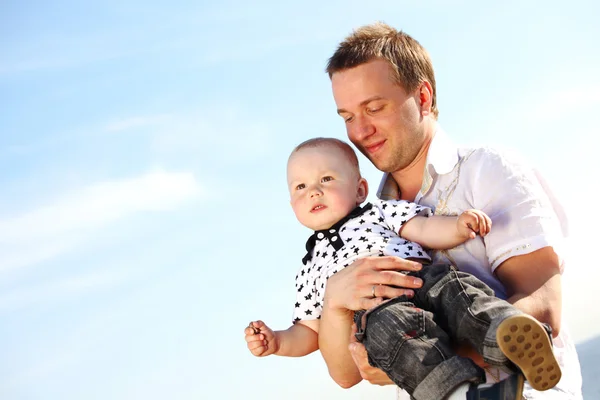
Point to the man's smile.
(374, 147)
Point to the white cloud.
(52, 229)
(60, 289)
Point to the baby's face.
(324, 186)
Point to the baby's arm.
(296, 341)
(444, 232)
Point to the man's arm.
(533, 284)
(334, 338)
(351, 289)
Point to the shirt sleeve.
(525, 214)
(398, 212)
(307, 305)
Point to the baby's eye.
(326, 178)
(300, 186)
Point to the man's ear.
(425, 97)
(363, 191)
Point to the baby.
(326, 191)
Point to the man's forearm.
(545, 304)
(334, 337)
(533, 284)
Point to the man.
(384, 88)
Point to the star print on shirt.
(372, 233)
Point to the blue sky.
(144, 217)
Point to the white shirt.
(526, 216)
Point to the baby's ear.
(363, 190)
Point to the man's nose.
(361, 128)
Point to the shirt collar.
(332, 234)
(442, 156)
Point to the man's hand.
(261, 339)
(473, 222)
(371, 374)
(368, 281)
(360, 286)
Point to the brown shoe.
(526, 343)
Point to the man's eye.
(347, 118)
(326, 179)
(374, 110)
(300, 186)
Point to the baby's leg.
(413, 350)
(467, 309)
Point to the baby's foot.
(527, 344)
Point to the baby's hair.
(340, 144)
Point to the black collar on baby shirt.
(332, 233)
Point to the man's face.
(382, 120)
(324, 186)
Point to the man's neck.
(410, 179)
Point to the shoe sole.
(526, 343)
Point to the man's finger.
(389, 292)
(394, 278)
(367, 304)
(353, 331)
(393, 263)
(359, 354)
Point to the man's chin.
(383, 167)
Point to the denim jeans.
(411, 339)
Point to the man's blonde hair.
(409, 60)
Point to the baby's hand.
(261, 339)
(472, 222)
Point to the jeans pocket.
(405, 342)
(388, 327)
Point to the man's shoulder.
(491, 157)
